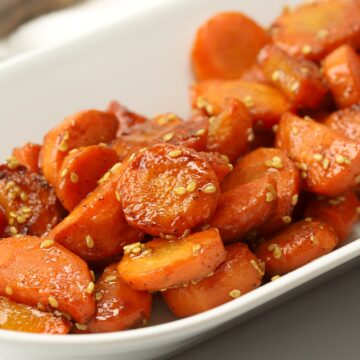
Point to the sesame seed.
(275, 128)
(294, 87)
(275, 277)
(196, 248)
(21, 219)
(12, 162)
(92, 275)
(175, 153)
(276, 75)
(269, 197)
(294, 199)
(256, 266)
(186, 233)
(340, 159)
(47, 243)
(13, 230)
(9, 291)
(89, 242)
(179, 190)
(168, 136)
(136, 250)
(80, 327)
(200, 132)
(209, 189)
(276, 250)
(325, 163)
(304, 174)
(306, 49)
(225, 158)
(73, 151)
(170, 237)
(117, 196)
(294, 130)
(231, 167)
(10, 185)
(358, 209)
(98, 296)
(131, 158)
(235, 293)
(26, 210)
(63, 146)
(74, 177)
(90, 288)
(66, 135)
(116, 312)
(110, 278)
(115, 167)
(53, 302)
(286, 219)
(277, 162)
(314, 239)
(322, 33)
(147, 252)
(248, 101)
(318, 157)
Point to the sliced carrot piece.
(28, 156)
(255, 74)
(341, 212)
(30, 204)
(220, 164)
(230, 131)
(314, 29)
(39, 272)
(118, 306)
(161, 264)
(330, 162)
(245, 208)
(81, 129)
(168, 189)
(80, 171)
(296, 246)
(226, 45)
(300, 80)
(342, 72)
(96, 229)
(19, 317)
(265, 104)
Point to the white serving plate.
(142, 60)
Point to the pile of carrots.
(114, 208)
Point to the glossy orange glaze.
(28, 156)
(255, 74)
(219, 163)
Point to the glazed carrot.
(230, 131)
(342, 72)
(80, 171)
(30, 204)
(81, 129)
(39, 272)
(240, 273)
(245, 208)
(296, 246)
(255, 74)
(118, 306)
(314, 29)
(168, 190)
(125, 146)
(341, 212)
(300, 80)
(219, 163)
(96, 229)
(264, 103)
(19, 317)
(28, 156)
(160, 264)
(346, 122)
(226, 45)
(330, 162)
(269, 161)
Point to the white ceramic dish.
(143, 61)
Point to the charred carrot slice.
(314, 29)
(29, 202)
(118, 306)
(96, 229)
(39, 272)
(161, 264)
(28, 156)
(265, 104)
(346, 122)
(330, 163)
(226, 45)
(167, 190)
(19, 317)
(245, 208)
(341, 212)
(220, 164)
(296, 246)
(81, 129)
(239, 274)
(80, 171)
(300, 80)
(342, 72)
(229, 132)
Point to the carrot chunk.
(255, 74)
(161, 264)
(240, 273)
(28, 156)
(220, 164)
(330, 163)
(314, 29)
(226, 45)
(80, 171)
(39, 272)
(168, 189)
(342, 72)
(296, 246)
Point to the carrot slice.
(245, 208)
(265, 104)
(330, 162)
(342, 72)
(118, 306)
(314, 29)
(220, 164)
(296, 246)
(96, 229)
(231, 130)
(80, 171)
(28, 156)
(226, 45)
(255, 74)
(300, 80)
(19, 317)
(341, 212)
(81, 129)
(168, 189)
(41, 273)
(239, 274)
(30, 204)
(160, 264)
